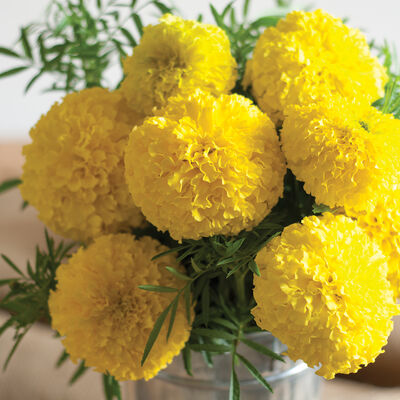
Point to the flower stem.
(240, 288)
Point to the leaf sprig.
(390, 103)
(242, 33)
(218, 269)
(78, 42)
(27, 297)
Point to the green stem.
(240, 288)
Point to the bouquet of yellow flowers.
(243, 177)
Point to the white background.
(378, 18)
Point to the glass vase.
(289, 380)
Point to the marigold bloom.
(105, 318)
(175, 56)
(346, 154)
(323, 292)
(205, 166)
(308, 56)
(74, 168)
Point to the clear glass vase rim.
(297, 369)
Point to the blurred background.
(31, 374)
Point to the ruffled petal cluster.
(308, 56)
(383, 225)
(346, 154)
(323, 292)
(105, 318)
(74, 168)
(175, 56)
(204, 166)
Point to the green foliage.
(217, 286)
(390, 103)
(28, 293)
(78, 41)
(242, 33)
(80, 370)
(111, 387)
(284, 3)
(9, 184)
(320, 208)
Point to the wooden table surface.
(31, 374)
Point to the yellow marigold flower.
(308, 56)
(74, 169)
(346, 154)
(204, 166)
(105, 318)
(175, 56)
(323, 292)
(383, 225)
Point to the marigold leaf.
(78, 372)
(188, 303)
(6, 325)
(226, 9)
(320, 208)
(218, 19)
(174, 250)
(154, 333)
(61, 360)
(152, 288)
(225, 323)
(211, 347)
(25, 43)
(213, 333)
(138, 23)
(225, 261)
(187, 360)
(128, 36)
(195, 266)
(266, 22)
(9, 52)
(118, 46)
(253, 370)
(178, 274)
(12, 265)
(33, 80)
(20, 336)
(234, 387)
(111, 387)
(254, 267)
(232, 249)
(7, 281)
(13, 71)
(162, 7)
(233, 270)
(246, 7)
(172, 316)
(9, 184)
(261, 349)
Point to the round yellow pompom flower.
(175, 56)
(308, 56)
(106, 318)
(74, 169)
(345, 153)
(205, 166)
(323, 292)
